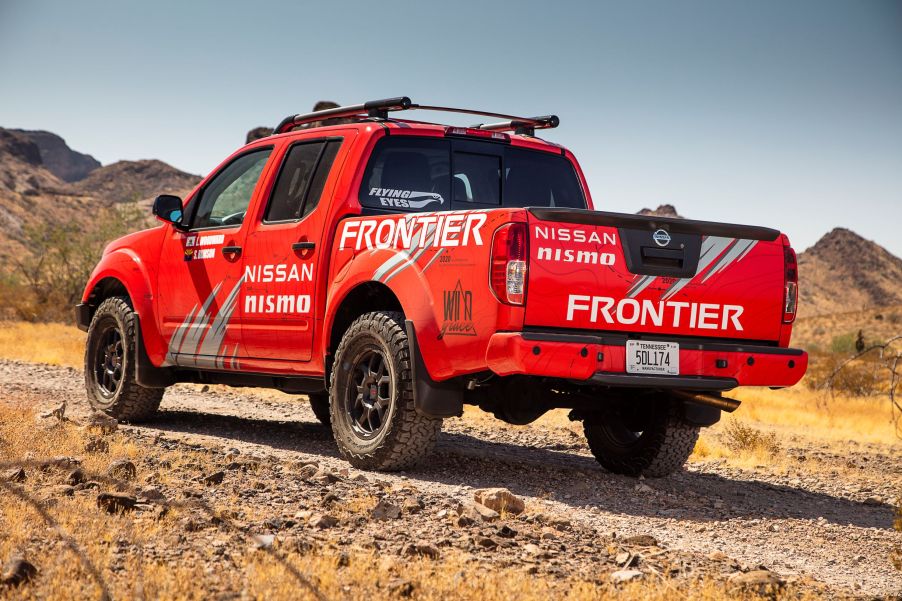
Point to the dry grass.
(822, 331)
(807, 413)
(771, 420)
(53, 343)
(125, 548)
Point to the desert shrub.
(862, 377)
(814, 349)
(48, 281)
(742, 438)
(844, 344)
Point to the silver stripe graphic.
(175, 343)
(640, 284)
(412, 260)
(404, 257)
(196, 330)
(400, 256)
(738, 250)
(213, 340)
(203, 361)
(751, 246)
(712, 246)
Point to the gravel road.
(830, 524)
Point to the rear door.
(284, 252)
(651, 277)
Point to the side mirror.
(168, 208)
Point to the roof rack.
(379, 109)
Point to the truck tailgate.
(614, 272)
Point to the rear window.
(427, 174)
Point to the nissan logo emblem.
(661, 238)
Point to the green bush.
(843, 344)
(47, 282)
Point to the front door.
(200, 275)
(284, 253)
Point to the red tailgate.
(628, 273)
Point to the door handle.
(231, 250)
(303, 246)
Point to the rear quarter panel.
(439, 273)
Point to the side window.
(411, 174)
(319, 179)
(224, 201)
(301, 180)
(477, 178)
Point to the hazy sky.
(787, 114)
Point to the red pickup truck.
(395, 270)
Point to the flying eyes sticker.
(405, 199)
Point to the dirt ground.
(824, 522)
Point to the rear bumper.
(602, 360)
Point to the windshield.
(407, 173)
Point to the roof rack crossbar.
(522, 125)
(373, 108)
(379, 109)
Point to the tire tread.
(671, 442)
(134, 402)
(412, 435)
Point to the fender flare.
(128, 269)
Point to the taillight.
(509, 263)
(790, 283)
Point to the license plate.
(647, 357)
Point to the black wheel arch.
(434, 399)
(105, 288)
(146, 373)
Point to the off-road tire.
(127, 401)
(405, 436)
(661, 449)
(319, 404)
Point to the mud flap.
(431, 398)
(147, 374)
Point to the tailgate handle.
(662, 257)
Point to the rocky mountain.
(257, 133)
(58, 158)
(135, 180)
(845, 272)
(32, 194)
(661, 211)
